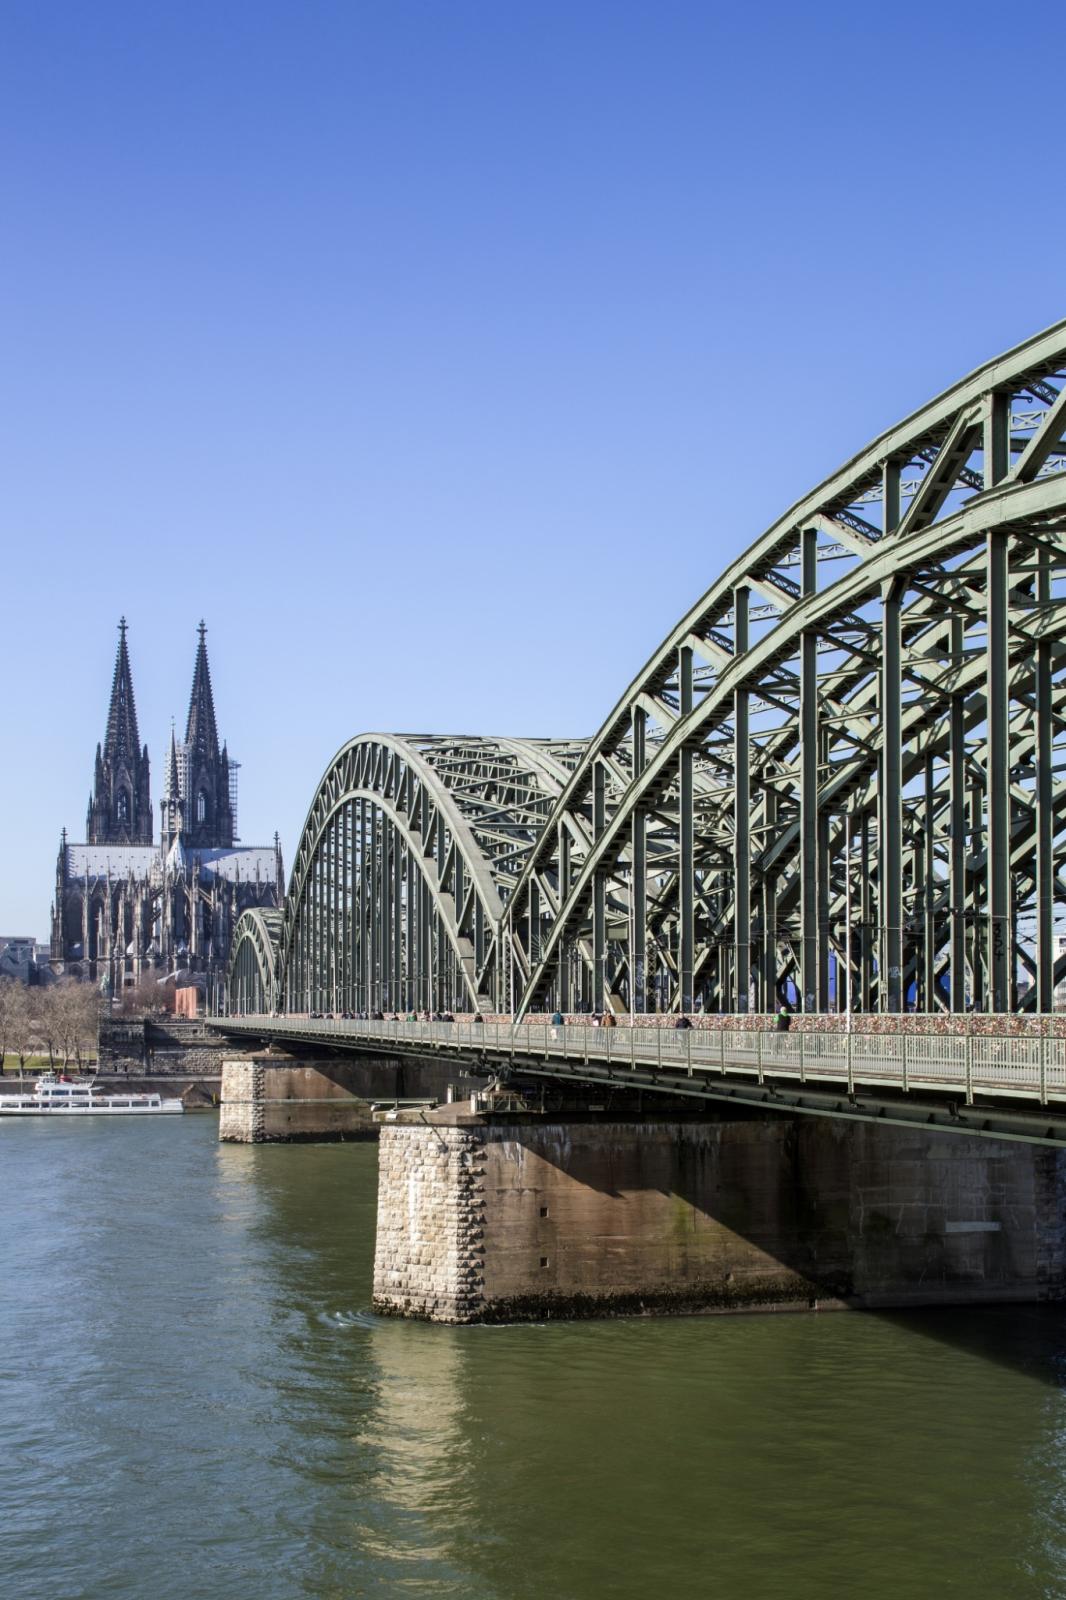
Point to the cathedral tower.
(120, 807)
(207, 822)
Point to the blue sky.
(440, 354)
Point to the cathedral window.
(201, 807)
(122, 807)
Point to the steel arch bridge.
(409, 853)
(839, 778)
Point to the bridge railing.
(969, 1064)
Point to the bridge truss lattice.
(839, 778)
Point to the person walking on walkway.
(784, 1019)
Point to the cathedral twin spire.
(120, 807)
(198, 803)
(206, 811)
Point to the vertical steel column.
(638, 883)
(808, 755)
(686, 842)
(1043, 800)
(996, 437)
(599, 891)
(334, 907)
(1000, 952)
(363, 947)
(741, 809)
(441, 967)
(768, 997)
(312, 951)
(397, 922)
(316, 971)
(890, 802)
(562, 855)
(346, 919)
(866, 902)
(376, 843)
(1000, 944)
(957, 825)
(426, 953)
(388, 847)
(824, 860)
(978, 900)
(929, 951)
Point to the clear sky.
(439, 353)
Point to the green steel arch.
(839, 775)
(251, 973)
(410, 850)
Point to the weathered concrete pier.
(498, 1219)
(270, 1098)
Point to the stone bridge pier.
(505, 1218)
(273, 1097)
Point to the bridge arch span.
(410, 849)
(251, 973)
(837, 777)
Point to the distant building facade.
(23, 958)
(126, 908)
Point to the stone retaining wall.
(160, 1047)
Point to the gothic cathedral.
(125, 908)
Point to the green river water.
(196, 1404)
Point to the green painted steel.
(895, 684)
(840, 775)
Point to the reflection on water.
(197, 1403)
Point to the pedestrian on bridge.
(784, 1019)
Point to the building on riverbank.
(126, 908)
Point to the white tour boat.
(80, 1097)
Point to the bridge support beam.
(508, 1219)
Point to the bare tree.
(141, 998)
(8, 1001)
(76, 1008)
(87, 1037)
(47, 1012)
(22, 1024)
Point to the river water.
(196, 1404)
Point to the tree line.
(60, 1021)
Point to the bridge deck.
(951, 1080)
